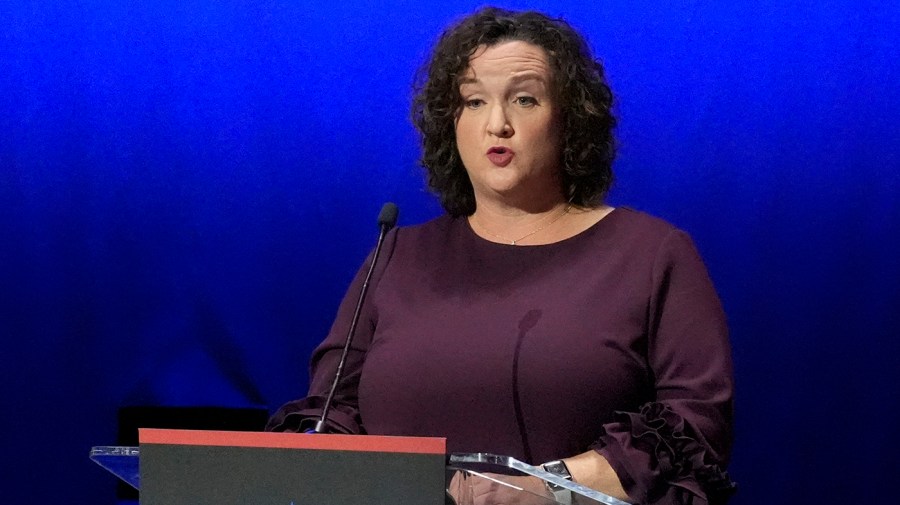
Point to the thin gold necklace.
(523, 237)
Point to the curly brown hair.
(588, 146)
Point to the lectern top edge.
(333, 442)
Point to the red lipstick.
(500, 156)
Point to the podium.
(180, 467)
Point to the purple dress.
(613, 339)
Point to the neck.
(516, 204)
(511, 225)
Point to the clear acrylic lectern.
(471, 479)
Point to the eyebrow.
(520, 77)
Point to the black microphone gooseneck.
(387, 218)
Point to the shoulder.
(638, 230)
(647, 245)
(430, 233)
(640, 224)
(435, 225)
(414, 242)
(667, 249)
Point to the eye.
(526, 101)
(474, 103)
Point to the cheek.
(464, 134)
(553, 134)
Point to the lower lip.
(500, 159)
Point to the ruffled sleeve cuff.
(302, 415)
(659, 461)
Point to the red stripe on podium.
(328, 442)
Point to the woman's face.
(507, 130)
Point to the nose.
(498, 122)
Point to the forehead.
(508, 58)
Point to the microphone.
(387, 218)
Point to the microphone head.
(387, 218)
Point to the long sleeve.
(673, 450)
(302, 414)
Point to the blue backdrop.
(188, 186)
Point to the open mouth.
(500, 156)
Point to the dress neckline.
(587, 232)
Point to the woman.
(533, 320)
